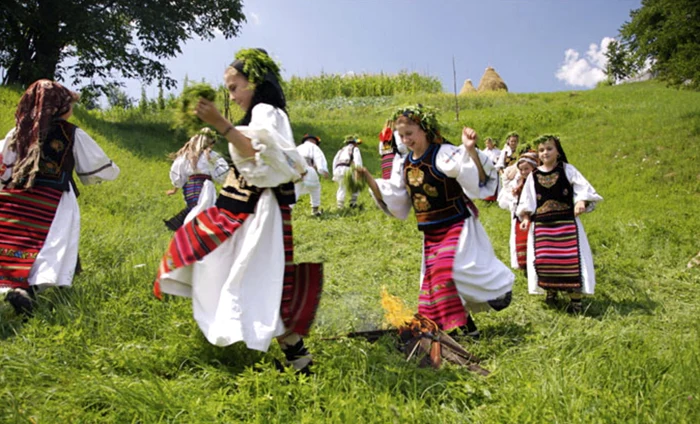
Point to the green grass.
(107, 351)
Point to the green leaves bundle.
(352, 184)
(185, 119)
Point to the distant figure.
(390, 145)
(315, 165)
(195, 165)
(509, 153)
(347, 156)
(39, 214)
(559, 257)
(460, 274)
(492, 150)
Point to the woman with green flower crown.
(460, 273)
(235, 259)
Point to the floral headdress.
(512, 134)
(256, 65)
(545, 138)
(425, 117)
(352, 138)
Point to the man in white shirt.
(347, 156)
(315, 165)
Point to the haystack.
(468, 87)
(491, 81)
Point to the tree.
(667, 34)
(101, 37)
(621, 64)
(116, 97)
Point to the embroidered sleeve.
(91, 163)
(456, 163)
(395, 199)
(583, 190)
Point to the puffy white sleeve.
(320, 159)
(528, 198)
(91, 163)
(506, 200)
(395, 199)
(583, 190)
(7, 159)
(488, 187)
(276, 160)
(456, 163)
(501, 162)
(180, 171)
(219, 167)
(399, 144)
(356, 156)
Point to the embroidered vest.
(555, 195)
(438, 200)
(237, 195)
(56, 162)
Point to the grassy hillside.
(107, 351)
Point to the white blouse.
(212, 164)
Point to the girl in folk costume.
(508, 155)
(235, 259)
(460, 273)
(492, 153)
(193, 169)
(39, 215)
(527, 162)
(347, 156)
(316, 165)
(390, 145)
(492, 150)
(558, 254)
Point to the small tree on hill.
(667, 34)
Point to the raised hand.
(469, 138)
(207, 112)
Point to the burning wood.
(421, 338)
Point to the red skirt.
(557, 256)
(387, 162)
(439, 299)
(521, 244)
(25, 220)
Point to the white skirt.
(587, 271)
(236, 290)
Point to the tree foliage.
(665, 33)
(94, 39)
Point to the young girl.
(508, 154)
(460, 273)
(390, 145)
(39, 215)
(235, 259)
(347, 156)
(195, 165)
(527, 162)
(558, 254)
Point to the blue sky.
(535, 45)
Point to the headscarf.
(423, 116)
(259, 68)
(531, 158)
(40, 105)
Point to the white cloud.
(585, 71)
(254, 18)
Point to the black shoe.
(22, 301)
(551, 298)
(574, 307)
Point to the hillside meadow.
(107, 351)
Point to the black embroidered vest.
(56, 162)
(555, 195)
(438, 201)
(238, 196)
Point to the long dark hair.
(545, 138)
(268, 91)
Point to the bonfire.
(420, 337)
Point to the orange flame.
(396, 313)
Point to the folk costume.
(193, 170)
(460, 273)
(315, 164)
(39, 214)
(235, 259)
(347, 156)
(508, 156)
(390, 145)
(559, 257)
(518, 236)
(493, 154)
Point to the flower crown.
(544, 138)
(423, 116)
(256, 64)
(512, 134)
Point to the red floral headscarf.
(43, 101)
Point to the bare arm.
(207, 112)
(363, 173)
